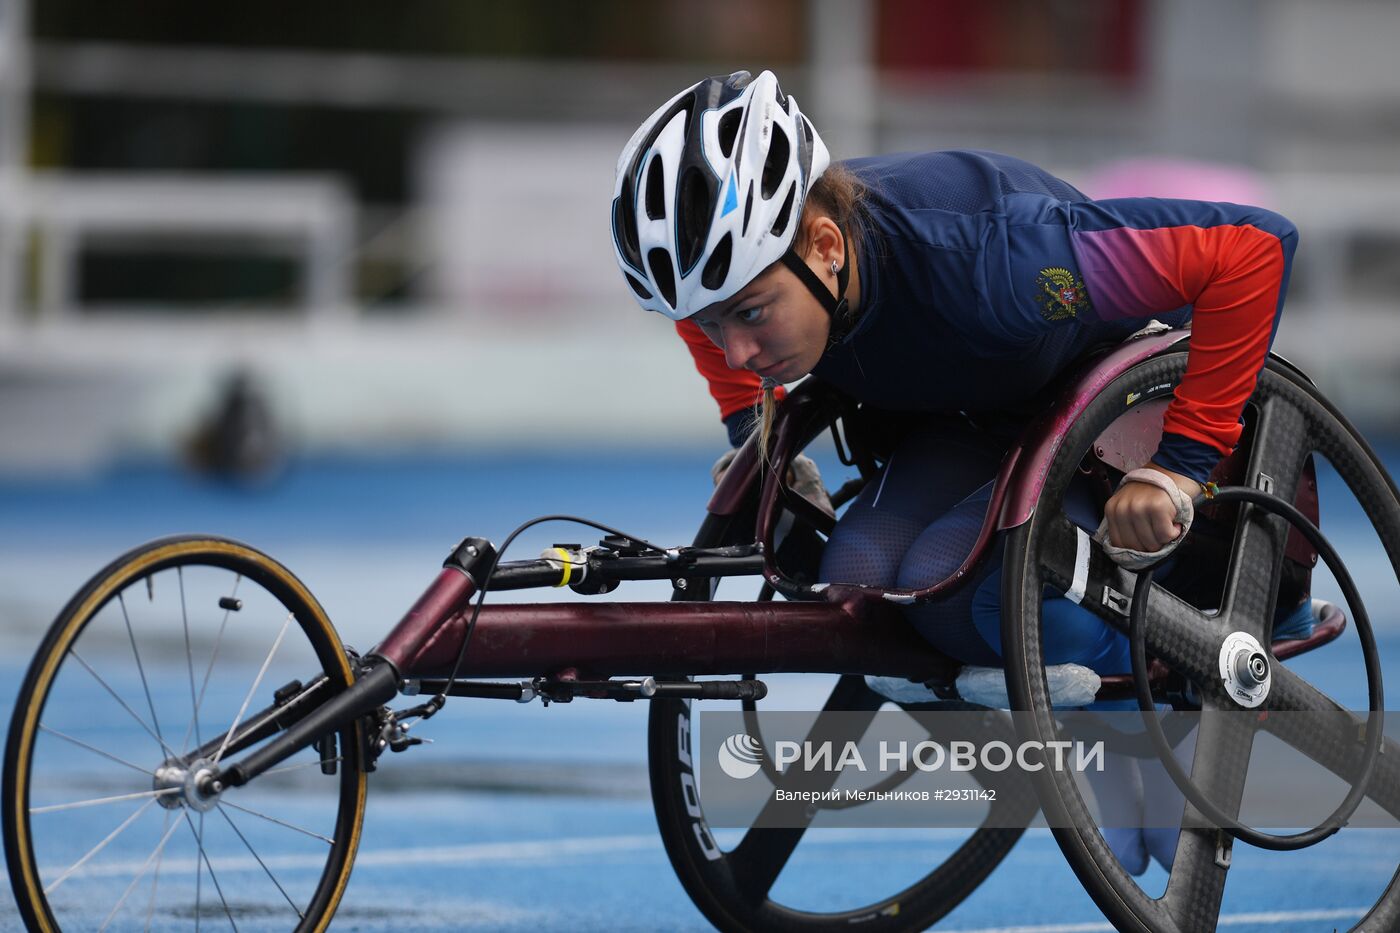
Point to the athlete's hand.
(1143, 517)
(803, 478)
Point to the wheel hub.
(1244, 668)
(191, 785)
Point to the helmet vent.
(748, 209)
(637, 287)
(694, 206)
(625, 227)
(686, 104)
(660, 264)
(717, 269)
(784, 212)
(656, 198)
(729, 130)
(775, 166)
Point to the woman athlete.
(950, 288)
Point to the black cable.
(440, 700)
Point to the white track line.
(535, 850)
(1272, 917)
(428, 855)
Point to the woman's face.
(773, 326)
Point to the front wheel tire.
(160, 654)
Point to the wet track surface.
(520, 817)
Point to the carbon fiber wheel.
(1287, 422)
(810, 879)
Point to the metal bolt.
(1252, 668)
(680, 583)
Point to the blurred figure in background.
(238, 440)
(1190, 179)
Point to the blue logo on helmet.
(731, 198)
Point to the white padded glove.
(1137, 560)
(803, 477)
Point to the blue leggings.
(916, 523)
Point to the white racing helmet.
(710, 189)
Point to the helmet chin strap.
(836, 305)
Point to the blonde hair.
(839, 195)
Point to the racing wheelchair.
(99, 777)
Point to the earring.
(834, 267)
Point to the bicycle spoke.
(214, 656)
(1256, 566)
(189, 659)
(762, 854)
(97, 801)
(1219, 766)
(167, 829)
(255, 855)
(53, 885)
(1196, 884)
(155, 855)
(199, 841)
(140, 668)
(170, 752)
(304, 765)
(198, 870)
(273, 819)
(1329, 735)
(761, 857)
(95, 750)
(228, 736)
(1282, 443)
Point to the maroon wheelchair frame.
(837, 629)
(833, 629)
(840, 629)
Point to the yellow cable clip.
(567, 561)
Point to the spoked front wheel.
(815, 879)
(108, 821)
(1287, 421)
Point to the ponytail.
(766, 407)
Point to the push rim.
(1375, 721)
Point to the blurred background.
(364, 227)
(335, 279)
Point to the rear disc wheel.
(775, 879)
(1289, 421)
